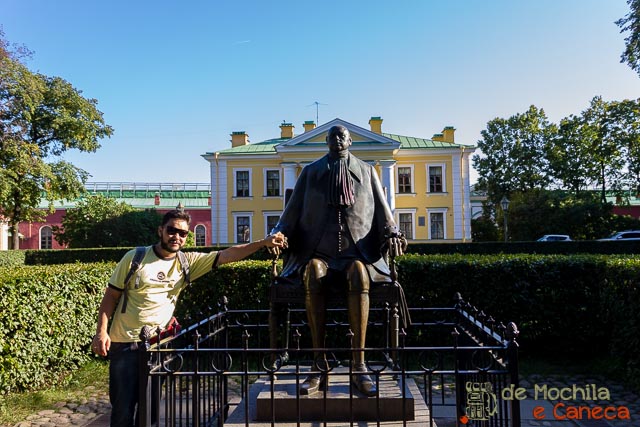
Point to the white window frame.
(413, 180)
(442, 211)
(266, 214)
(412, 212)
(237, 215)
(264, 176)
(444, 177)
(195, 234)
(40, 236)
(235, 182)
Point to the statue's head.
(338, 139)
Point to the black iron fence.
(451, 363)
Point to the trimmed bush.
(550, 248)
(47, 318)
(67, 256)
(244, 283)
(580, 304)
(11, 258)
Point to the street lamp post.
(504, 203)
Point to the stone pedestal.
(340, 402)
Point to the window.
(201, 235)
(405, 220)
(436, 225)
(242, 183)
(243, 229)
(406, 224)
(271, 222)
(404, 180)
(46, 238)
(272, 183)
(435, 179)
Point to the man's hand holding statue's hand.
(276, 243)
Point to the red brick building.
(196, 199)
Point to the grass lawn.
(17, 407)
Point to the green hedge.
(48, 257)
(66, 256)
(555, 299)
(566, 248)
(11, 258)
(47, 318)
(581, 304)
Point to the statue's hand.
(395, 247)
(396, 241)
(276, 243)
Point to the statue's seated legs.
(357, 280)
(315, 305)
(358, 305)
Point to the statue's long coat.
(307, 214)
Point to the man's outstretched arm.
(238, 252)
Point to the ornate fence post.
(511, 334)
(195, 386)
(245, 374)
(144, 382)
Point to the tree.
(625, 129)
(41, 118)
(484, 229)
(631, 23)
(570, 161)
(513, 153)
(601, 132)
(12, 50)
(99, 221)
(582, 216)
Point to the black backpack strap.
(184, 262)
(135, 266)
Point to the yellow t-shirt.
(153, 301)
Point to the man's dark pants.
(123, 384)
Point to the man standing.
(149, 299)
(337, 222)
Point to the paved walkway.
(92, 409)
(91, 404)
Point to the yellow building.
(426, 181)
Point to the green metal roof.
(264, 147)
(411, 142)
(142, 195)
(138, 202)
(406, 143)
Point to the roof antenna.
(316, 103)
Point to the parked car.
(623, 235)
(555, 238)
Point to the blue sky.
(174, 79)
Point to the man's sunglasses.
(172, 230)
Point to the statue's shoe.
(313, 383)
(364, 384)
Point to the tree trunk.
(603, 195)
(15, 237)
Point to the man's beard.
(164, 245)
